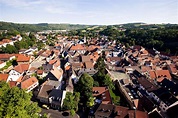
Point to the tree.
(96, 84)
(15, 102)
(91, 102)
(71, 101)
(85, 87)
(100, 65)
(108, 82)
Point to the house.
(114, 60)
(17, 72)
(22, 59)
(121, 112)
(57, 74)
(13, 83)
(2, 64)
(159, 75)
(56, 98)
(173, 69)
(112, 111)
(105, 111)
(29, 84)
(40, 73)
(164, 98)
(29, 51)
(47, 68)
(6, 57)
(51, 94)
(5, 42)
(102, 95)
(79, 48)
(69, 85)
(85, 58)
(44, 92)
(170, 85)
(3, 77)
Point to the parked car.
(45, 106)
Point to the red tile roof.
(103, 92)
(89, 65)
(57, 73)
(121, 112)
(39, 72)
(28, 82)
(5, 56)
(67, 67)
(160, 74)
(6, 41)
(52, 61)
(23, 58)
(92, 47)
(3, 77)
(21, 68)
(77, 47)
(57, 63)
(12, 83)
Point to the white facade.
(2, 64)
(32, 86)
(13, 76)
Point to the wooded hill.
(39, 27)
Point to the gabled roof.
(92, 47)
(103, 94)
(173, 68)
(104, 110)
(23, 58)
(3, 77)
(114, 59)
(52, 61)
(25, 84)
(56, 94)
(99, 90)
(121, 112)
(12, 83)
(57, 72)
(85, 58)
(77, 47)
(5, 56)
(160, 75)
(39, 72)
(21, 68)
(149, 86)
(89, 65)
(137, 114)
(45, 91)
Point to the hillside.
(39, 27)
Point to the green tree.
(108, 82)
(100, 65)
(15, 103)
(96, 84)
(90, 102)
(71, 101)
(85, 87)
(10, 49)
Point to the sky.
(91, 12)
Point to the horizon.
(87, 12)
(90, 24)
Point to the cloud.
(20, 3)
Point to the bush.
(72, 112)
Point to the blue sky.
(101, 12)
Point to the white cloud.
(21, 3)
